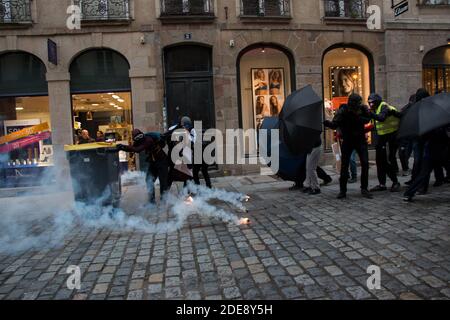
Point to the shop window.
(101, 100)
(265, 82)
(345, 71)
(26, 152)
(436, 70)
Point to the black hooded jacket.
(148, 144)
(350, 119)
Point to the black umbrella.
(301, 120)
(426, 115)
(289, 164)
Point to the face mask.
(138, 137)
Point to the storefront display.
(346, 71)
(106, 117)
(26, 151)
(268, 93)
(265, 80)
(436, 70)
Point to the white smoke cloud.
(43, 222)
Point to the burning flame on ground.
(244, 221)
(189, 200)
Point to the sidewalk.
(296, 247)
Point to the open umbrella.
(289, 164)
(301, 120)
(426, 115)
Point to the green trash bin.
(95, 172)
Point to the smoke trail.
(33, 225)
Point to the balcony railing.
(15, 12)
(434, 2)
(351, 9)
(265, 8)
(98, 10)
(187, 8)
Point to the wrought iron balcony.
(350, 9)
(15, 12)
(434, 2)
(195, 8)
(265, 8)
(100, 10)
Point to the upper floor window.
(104, 9)
(187, 8)
(15, 11)
(434, 2)
(353, 9)
(265, 8)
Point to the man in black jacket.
(156, 157)
(350, 119)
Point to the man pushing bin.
(156, 157)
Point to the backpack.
(156, 136)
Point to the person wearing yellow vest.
(386, 120)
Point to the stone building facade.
(297, 35)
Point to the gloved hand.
(394, 113)
(327, 123)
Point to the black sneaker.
(342, 195)
(366, 194)
(353, 180)
(407, 199)
(307, 190)
(438, 183)
(378, 188)
(314, 191)
(327, 181)
(296, 187)
(395, 187)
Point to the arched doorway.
(101, 97)
(436, 70)
(189, 84)
(346, 69)
(266, 76)
(25, 157)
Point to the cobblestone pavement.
(297, 247)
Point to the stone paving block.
(358, 292)
(294, 249)
(333, 270)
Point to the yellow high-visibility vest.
(390, 124)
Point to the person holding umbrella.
(433, 154)
(386, 124)
(351, 119)
(426, 121)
